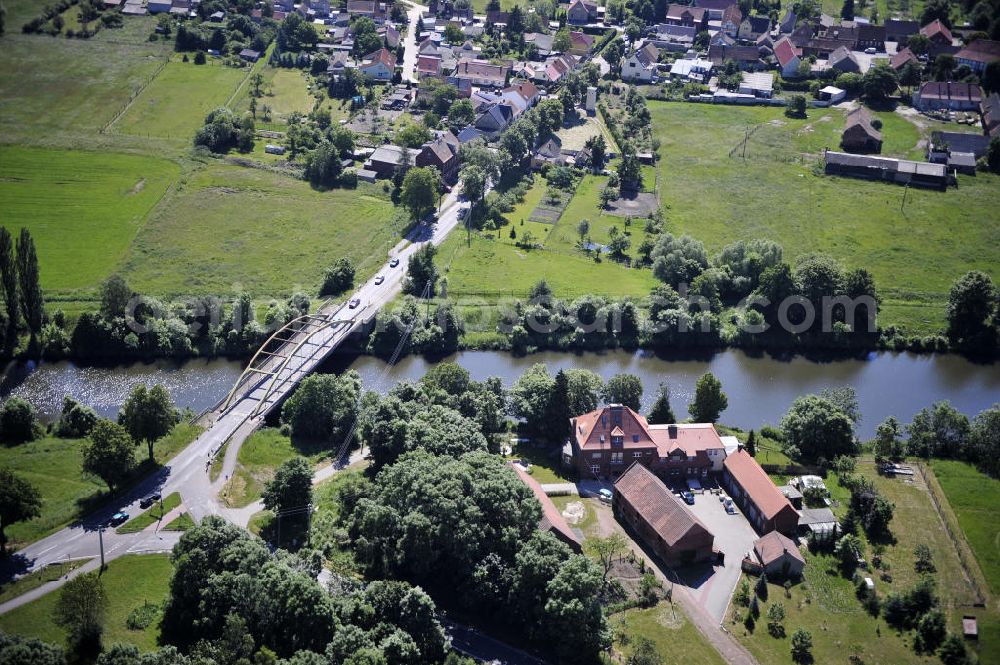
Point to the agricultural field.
(264, 232)
(175, 104)
(83, 208)
(130, 582)
(779, 193)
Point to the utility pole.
(100, 538)
(902, 203)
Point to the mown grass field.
(129, 581)
(54, 466)
(258, 458)
(286, 91)
(227, 226)
(675, 637)
(974, 497)
(154, 513)
(915, 255)
(175, 104)
(83, 208)
(32, 581)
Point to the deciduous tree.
(709, 400)
(148, 415)
(109, 453)
(19, 501)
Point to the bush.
(338, 278)
(199, 58)
(802, 646)
(143, 616)
(18, 421)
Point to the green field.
(259, 456)
(676, 638)
(229, 226)
(32, 581)
(82, 208)
(975, 498)
(286, 91)
(776, 194)
(174, 105)
(53, 466)
(151, 515)
(129, 581)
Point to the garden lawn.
(779, 193)
(151, 515)
(175, 104)
(54, 85)
(289, 93)
(129, 582)
(32, 581)
(545, 468)
(675, 637)
(83, 209)
(975, 498)
(264, 232)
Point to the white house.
(379, 65)
(641, 64)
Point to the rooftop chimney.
(672, 431)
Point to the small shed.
(970, 627)
(250, 55)
(779, 556)
(832, 94)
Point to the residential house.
(429, 65)
(859, 135)
(978, 54)
(687, 450)
(675, 38)
(695, 69)
(765, 45)
(339, 61)
(779, 556)
(937, 32)
(758, 84)
(494, 120)
(695, 17)
(948, 95)
(550, 152)
(747, 57)
(991, 114)
(660, 519)
(764, 506)
(899, 60)
(384, 161)
(552, 519)
(541, 42)
(870, 36)
(721, 39)
(900, 171)
(315, 8)
(390, 34)
(732, 17)
(181, 8)
(787, 23)
(753, 27)
(159, 6)
(640, 65)
(581, 12)
(372, 9)
(788, 57)
(580, 43)
(379, 65)
(468, 134)
(482, 73)
(442, 154)
(497, 18)
(483, 99)
(521, 97)
(900, 31)
(843, 60)
(713, 8)
(556, 68)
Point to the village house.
(660, 519)
(581, 12)
(494, 120)
(746, 57)
(541, 42)
(713, 8)
(695, 17)
(859, 135)
(937, 32)
(764, 506)
(732, 17)
(429, 66)
(779, 557)
(674, 38)
(384, 161)
(552, 519)
(580, 43)
(379, 65)
(902, 57)
(696, 69)
(978, 54)
(159, 6)
(788, 57)
(550, 152)
(900, 31)
(376, 11)
(843, 60)
(948, 95)
(753, 27)
(870, 36)
(640, 65)
(481, 73)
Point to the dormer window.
(616, 441)
(635, 438)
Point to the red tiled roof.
(382, 55)
(690, 438)
(936, 28)
(752, 478)
(552, 519)
(526, 89)
(658, 506)
(677, 12)
(594, 430)
(981, 50)
(773, 546)
(901, 58)
(785, 51)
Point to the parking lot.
(712, 586)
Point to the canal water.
(760, 387)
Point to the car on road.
(354, 303)
(605, 495)
(688, 497)
(393, 263)
(118, 518)
(148, 501)
(380, 279)
(462, 212)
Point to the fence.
(135, 94)
(741, 146)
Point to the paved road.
(410, 42)
(482, 647)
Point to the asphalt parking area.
(712, 586)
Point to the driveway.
(712, 586)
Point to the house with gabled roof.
(481, 73)
(763, 504)
(441, 153)
(640, 65)
(937, 32)
(779, 556)
(948, 95)
(696, 17)
(900, 30)
(657, 517)
(732, 17)
(580, 43)
(552, 519)
(581, 12)
(788, 57)
(677, 38)
(494, 120)
(843, 60)
(860, 136)
(753, 27)
(379, 65)
(903, 56)
(978, 54)
(990, 109)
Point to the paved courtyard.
(712, 586)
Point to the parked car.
(354, 303)
(379, 279)
(871, 50)
(605, 495)
(148, 501)
(119, 518)
(462, 212)
(393, 263)
(688, 497)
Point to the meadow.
(259, 456)
(227, 226)
(130, 582)
(175, 104)
(83, 208)
(286, 91)
(779, 193)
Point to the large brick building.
(607, 440)
(660, 519)
(766, 508)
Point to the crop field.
(175, 104)
(129, 581)
(263, 232)
(55, 85)
(779, 193)
(82, 208)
